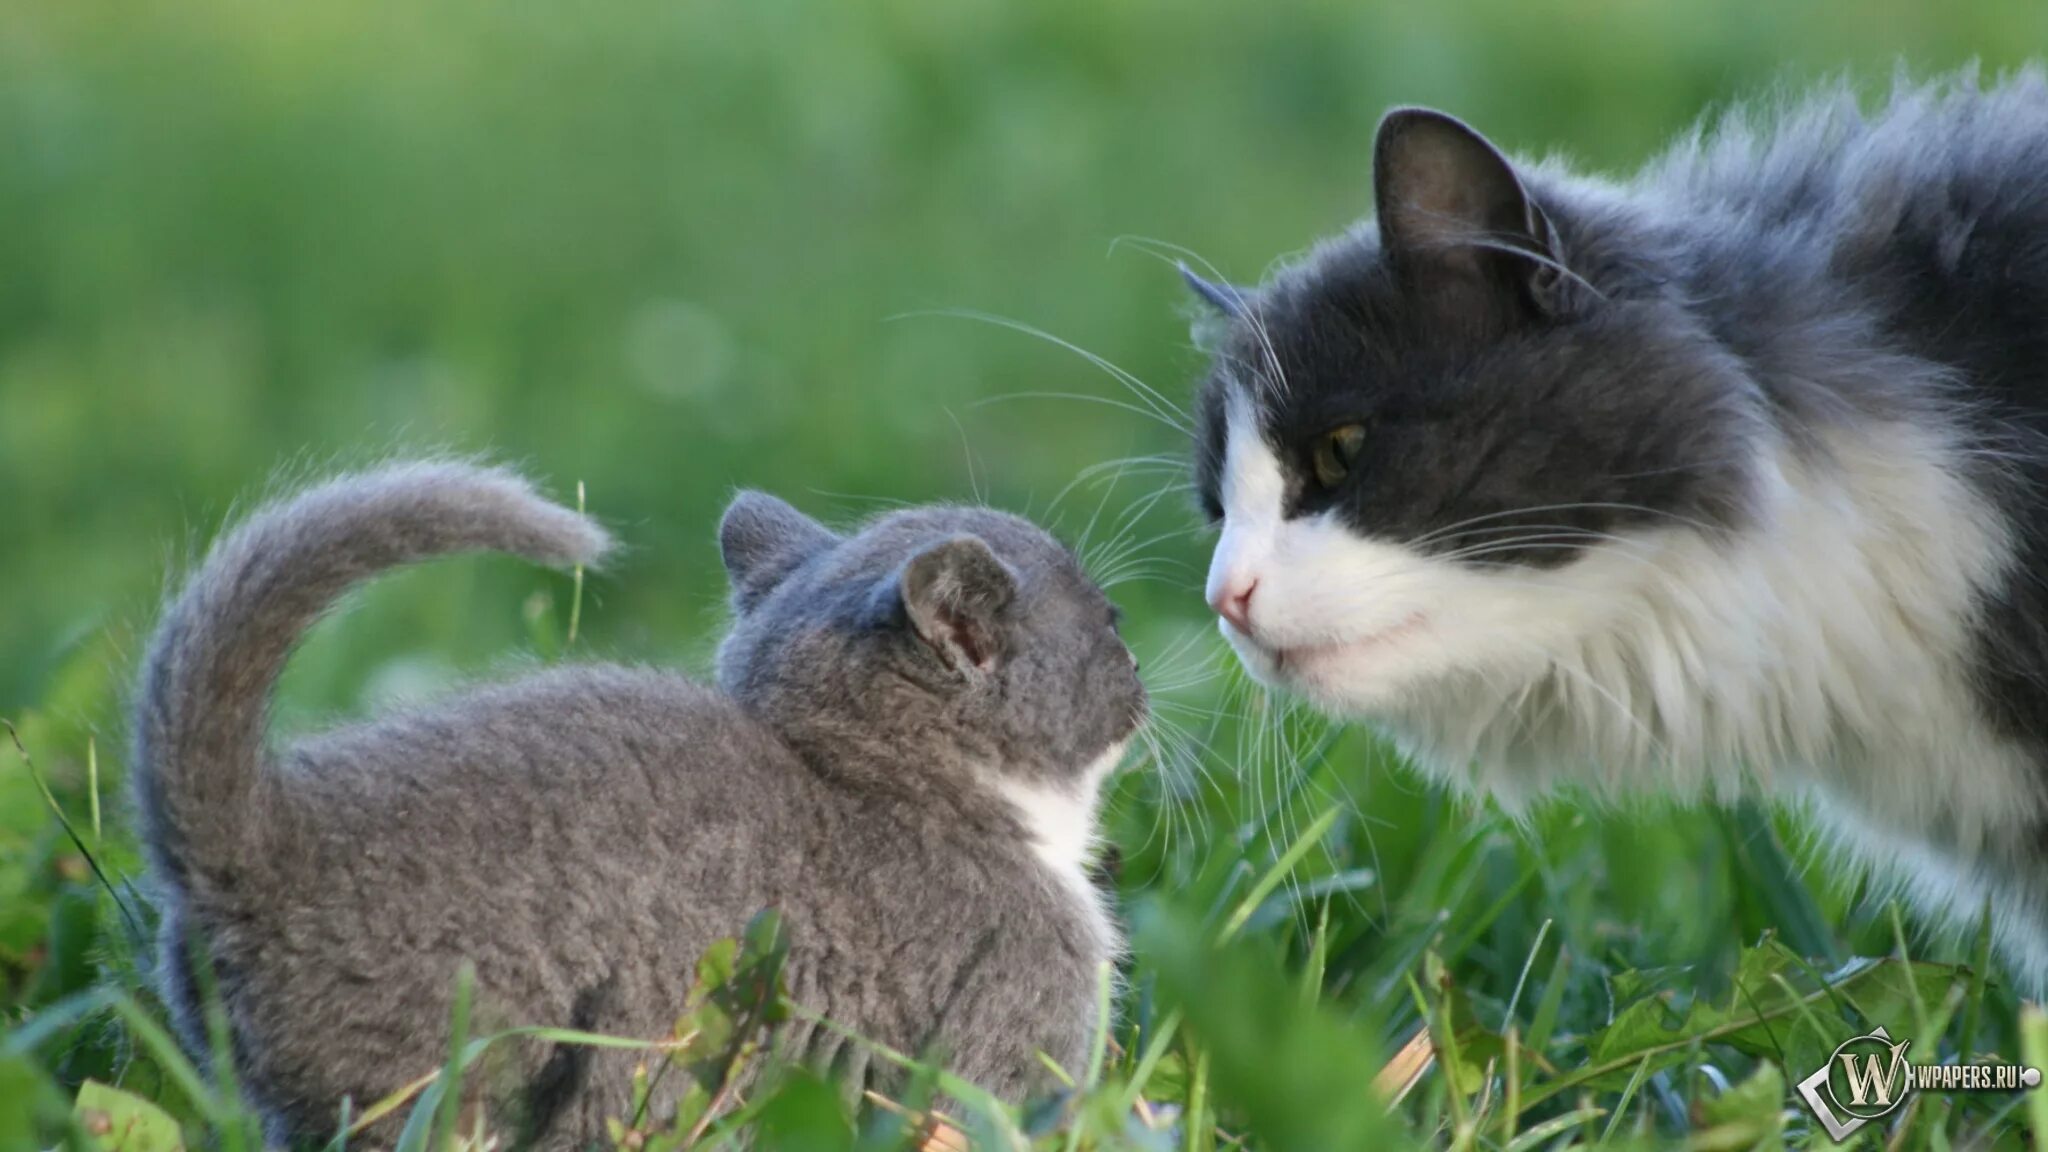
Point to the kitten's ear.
(954, 593)
(763, 540)
(1449, 203)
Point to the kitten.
(1728, 475)
(903, 755)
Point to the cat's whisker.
(1493, 533)
(1119, 544)
(1549, 542)
(1158, 569)
(1151, 399)
(1110, 401)
(1178, 767)
(1157, 759)
(1128, 543)
(1192, 770)
(1172, 674)
(1188, 646)
(1168, 572)
(1193, 710)
(1082, 546)
(1183, 683)
(1136, 465)
(1124, 541)
(1505, 575)
(1244, 308)
(1586, 505)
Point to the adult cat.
(1729, 473)
(903, 757)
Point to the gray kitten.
(1726, 476)
(903, 756)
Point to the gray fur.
(1563, 361)
(580, 835)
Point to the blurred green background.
(668, 249)
(656, 247)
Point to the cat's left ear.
(1222, 306)
(1227, 299)
(1450, 205)
(954, 593)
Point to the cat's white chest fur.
(1061, 824)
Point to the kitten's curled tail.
(200, 713)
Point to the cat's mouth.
(1302, 659)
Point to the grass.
(653, 251)
(1267, 1004)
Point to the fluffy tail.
(201, 708)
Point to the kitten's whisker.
(967, 450)
(1081, 546)
(1186, 646)
(856, 498)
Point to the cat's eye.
(1336, 452)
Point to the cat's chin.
(1357, 677)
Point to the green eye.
(1336, 452)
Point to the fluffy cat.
(903, 756)
(1728, 475)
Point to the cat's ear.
(1221, 306)
(1450, 207)
(763, 540)
(1227, 299)
(954, 593)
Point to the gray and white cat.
(903, 756)
(1726, 476)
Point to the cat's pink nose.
(1233, 601)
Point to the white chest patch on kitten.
(1061, 823)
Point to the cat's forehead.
(1339, 327)
(1323, 339)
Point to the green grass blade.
(1277, 874)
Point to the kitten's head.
(1432, 444)
(947, 635)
